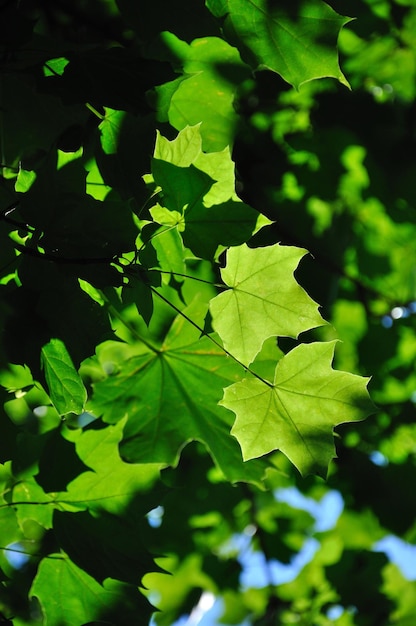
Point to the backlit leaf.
(186, 150)
(214, 70)
(264, 300)
(297, 413)
(200, 187)
(111, 484)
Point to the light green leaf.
(186, 150)
(9, 533)
(298, 42)
(297, 413)
(66, 388)
(34, 503)
(214, 70)
(264, 300)
(24, 180)
(201, 187)
(170, 253)
(69, 596)
(182, 187)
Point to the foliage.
(196, 203)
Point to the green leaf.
(34, 503)
(297, 413)
(186, 150)
(69, 596)
(264, 300)
(171, 398)
(214, 70)
(298, 42)
(182, 187)
(111, 484)
(200, 186)
(169, 249)
(9, 532)
(66, 388)
(85, 538)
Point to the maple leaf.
(297, 413)
(264, 300)
(299, 43)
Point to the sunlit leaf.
(297, 413)
(264, 300)
(213, 69)
(200, 187)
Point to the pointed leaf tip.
(298, 413)
(264, 300)
(298, 42)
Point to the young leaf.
(264, 300)
(298, 412)
(66, 388)
(298, 42)
(186, 150)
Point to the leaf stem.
(112, 309)
(41, 556)
(211, 338)
(94, 111)
(200, 280)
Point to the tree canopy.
(207, 295)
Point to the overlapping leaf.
(297, 413)
(298, 42)
(200, 187)
(214, 70)
(264, 299)
(186, 150)
(170, 397)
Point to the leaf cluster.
(165, 366)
